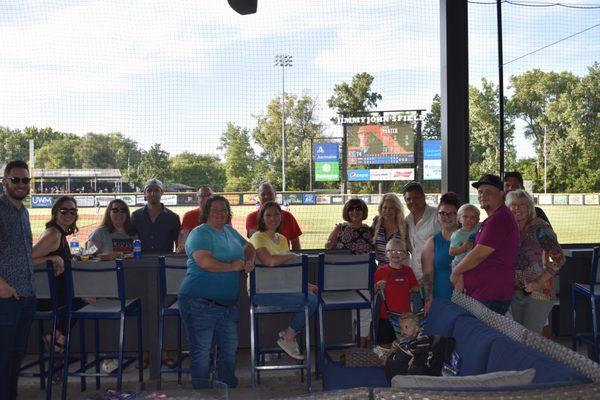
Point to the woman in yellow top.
(272, 249)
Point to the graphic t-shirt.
(399, 283)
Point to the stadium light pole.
(283, 60)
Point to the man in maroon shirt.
(487, 273)
(289, 226)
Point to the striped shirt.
(16, 267)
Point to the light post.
(283, 60)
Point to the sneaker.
(108, 366)
(291, 348)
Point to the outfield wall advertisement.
(383, 174)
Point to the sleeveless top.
(442, 288)
(356, 240)
(63, 251)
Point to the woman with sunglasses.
(116, 233)
(352, 235)
(436, 260)
(54, 246)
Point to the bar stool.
(591, 292)
(103, 280)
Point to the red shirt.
(191, 219)
(289, 227)
(397, 289)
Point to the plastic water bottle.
(137, 249)
(75, 249)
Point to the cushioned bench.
(481, 350)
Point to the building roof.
(77, 173)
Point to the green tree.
(95, 151)
(301, 127)
(127, 155)
(534, 92)
(573, 134)
(354, 97)
(154, 164)
(240, 158)
(60, 153)
(483, 131)
(198, 169)
(13, 145)
(432, 126)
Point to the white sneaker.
(108, 366)
(291, 348)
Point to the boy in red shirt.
(397, 280)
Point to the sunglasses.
(446, 214)
(121, 210)
(65, 211)
(355, 208)
(16, 181)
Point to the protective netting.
(161, 88)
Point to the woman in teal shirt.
(435, 259)
(209, 292)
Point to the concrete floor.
(273, 384)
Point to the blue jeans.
(501, 307)
(15, 322)
(203, 322)
(290, 299)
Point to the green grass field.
(573, 224)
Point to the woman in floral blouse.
(353, 234)
(539, 259)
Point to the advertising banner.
(166, 199)
(327, 152)
(250, 198)
(576, 199)
(41, 201)
(432, 160)
(128, 199)
(545, 199)
(323, 199)
(393, 174)
(592, 199)
(104, 200)
(327, 171)
(84, 201)
(309, 198)
(359, 175)
(293, 198)
(337, 199)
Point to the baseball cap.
(153, 182)
(489, 179)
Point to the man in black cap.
(487, 273)
(513, 180)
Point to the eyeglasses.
(446, 214)
(400, 252)
(16, 181)
(65, 211)
(121, 210)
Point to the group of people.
(506, 262)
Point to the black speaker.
(243, 7)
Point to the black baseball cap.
(489, 179)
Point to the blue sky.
(175, 72)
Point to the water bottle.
(137, 249)
(75, 249)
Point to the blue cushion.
(473, 344)
(508, 355)
(337, 376)
(442, 316)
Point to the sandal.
(59, 343)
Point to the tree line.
(563, 107)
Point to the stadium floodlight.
(283, 61)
